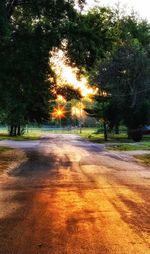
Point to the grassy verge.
(129, 147)
(115, 138)
(117, 142)
(145, 158)
(29, 136)
(37, 133)
(99, 138)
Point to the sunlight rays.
(67, 75)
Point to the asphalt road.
(73, 197)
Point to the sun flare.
(58, 112)
(66, 75)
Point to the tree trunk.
(105, 132)
(10, 7)
(15, 130)
(18, 130)
(11, 130)
(116, 129)
(129, 134)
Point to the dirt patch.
(144, 158)
(10, 159)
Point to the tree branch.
(10, 6)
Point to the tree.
(69, 93)
(125, 77)
(29, 30)
(90, 37)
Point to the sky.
(140, 6)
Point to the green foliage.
(123, 76)
(90, 37)
(29, 31)
(125, 79)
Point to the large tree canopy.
(29, 29)
(123, 76)
(125, 80)
(90, 37)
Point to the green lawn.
(115, 142)
(118, 142)
(36, 133)
(92, 135)
(29, 136)
(129, 147)
(99, 138)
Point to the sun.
(58, 112)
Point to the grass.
(115, 141)
(29, 136)
(118, 142)
(129, 147)
(145, 158)
(36, 133)
(99, 137)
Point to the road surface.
(72, 197)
